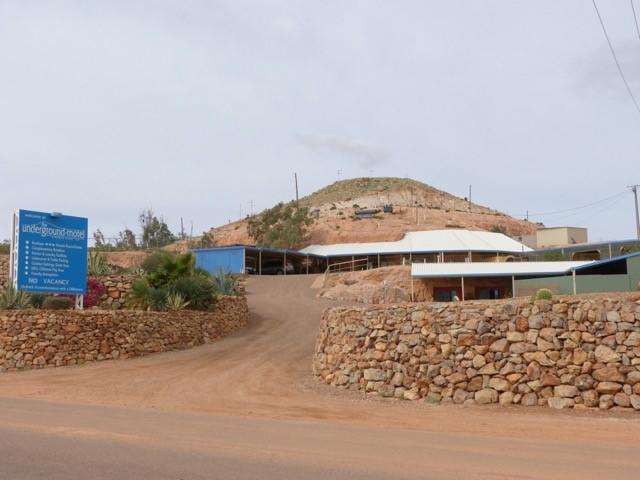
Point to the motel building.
(446, 265)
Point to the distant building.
(554, 237)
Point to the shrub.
(199, 291)
(153, 262)
(175, 302)
(171, 269)
(543, 294)
(140, 294)
(552, 256)
(225, 283)
(97, 265)
(498, 229)
(57, 303)
(95, 291)
(12, 299)
(37, 299)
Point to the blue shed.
(229, 259)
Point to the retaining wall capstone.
(581, 352)
(52, 338)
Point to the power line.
(615, 57)
(635, 18)
(579, 207)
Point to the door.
(447, 294)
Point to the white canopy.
(492, 269)
(432, 241)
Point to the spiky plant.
(97, 265)
(225, 283)
(12, 299)
(175, 302)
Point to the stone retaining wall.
(52, 338)
(117, 288)
(572, 352)
(4, 270)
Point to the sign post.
(49, 253)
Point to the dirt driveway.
(259, 380)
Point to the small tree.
(155, 232)
(207, 240)
(499, 229)
(98, 239)
(283, 226)
(126, 240)
(552, 256)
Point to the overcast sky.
(195, 108)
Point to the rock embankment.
(52, 338)
(581, 352)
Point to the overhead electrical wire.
(615, 57)
(635, 18)
(572, 209)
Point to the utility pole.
(182, 235)
(251, 207)
(634, 189)
(295, 175)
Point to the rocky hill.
(416, 206)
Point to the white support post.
(13, 252)
(573, 275)
(513, 286)
(79, 302)
(462, 279)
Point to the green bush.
(198, 290)
(552, 256)
(225, 283)
(57, 303)
(97, 265)
(176, 302)
(543, 294)
(12, 299)
(153, 262)
(171, 269)
(37, 299)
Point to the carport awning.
(492, 269)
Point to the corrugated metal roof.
(432, 241)
(493, 269)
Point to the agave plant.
(12, 299)
(97, 265)
(175, 302)
(225, 283)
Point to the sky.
(201, 109)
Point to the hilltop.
(416, 206)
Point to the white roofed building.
(434, 246)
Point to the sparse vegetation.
(5, 247)
(173, 282)
(155, 232)
(57, 303)
(552, 256)
(498, 229)
(283, 226)
(543, 294)
(12, 299)
(97, 265)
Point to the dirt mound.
(127, 259)
(381, 285)
(416, 206)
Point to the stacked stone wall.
(581, 352)
(52, 338)
(4, 270)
